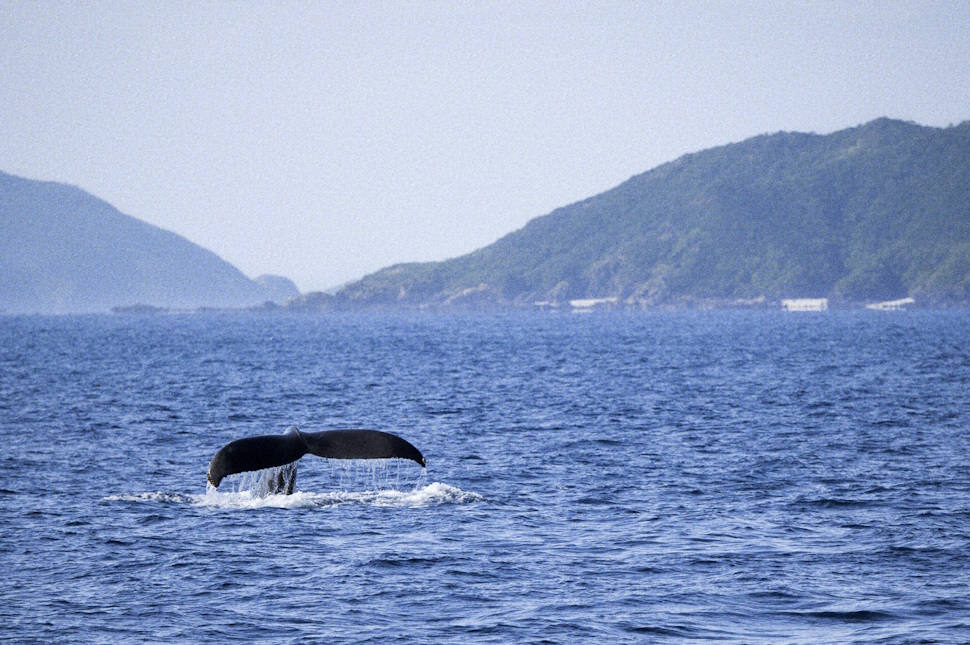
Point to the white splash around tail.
(431, 495)
(372, 482)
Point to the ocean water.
(725, 477)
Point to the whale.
(272, 451)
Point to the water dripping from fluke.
(366, 482)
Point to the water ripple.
(677, 478)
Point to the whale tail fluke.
(271, 451)
(360, 444)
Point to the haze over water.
(733, 477)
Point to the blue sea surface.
(691, 477)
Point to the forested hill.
(876, 212)
(65, 251)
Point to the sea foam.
(430, 495)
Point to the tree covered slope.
(875, 212)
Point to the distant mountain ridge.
(63, 250)
(875, 212)
(871, 213)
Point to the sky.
(323, 141)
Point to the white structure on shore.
(805, 304)
(589, 304)
(891, 305)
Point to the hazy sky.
(325, 140)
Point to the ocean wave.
(157, 497)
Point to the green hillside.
(876, 212)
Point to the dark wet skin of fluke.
(270, 451)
